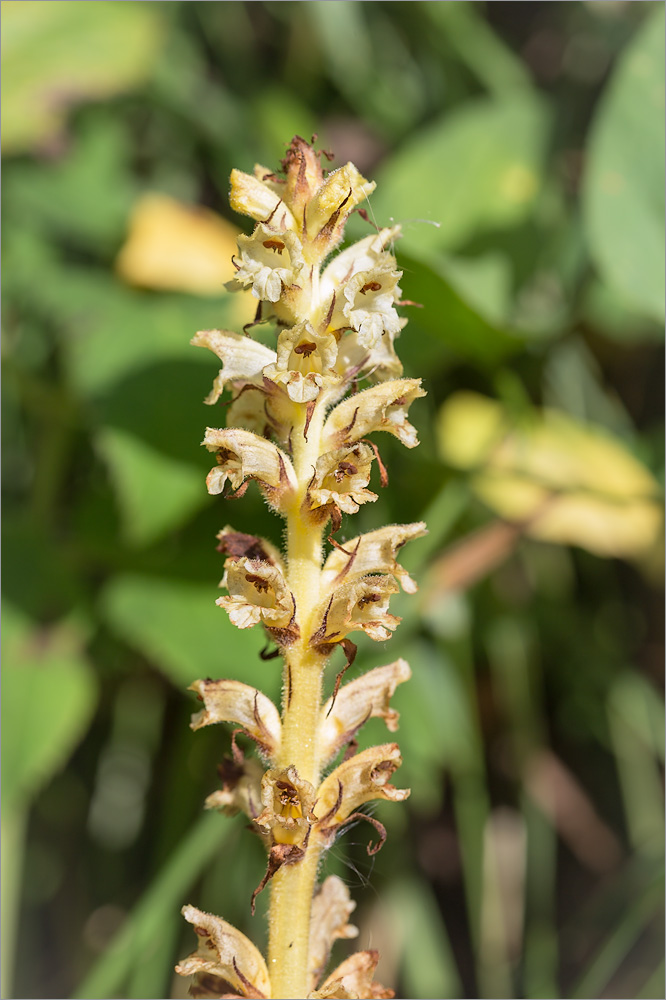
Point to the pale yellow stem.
(293, 885)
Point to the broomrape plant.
(300, 428)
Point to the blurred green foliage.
(521, 147)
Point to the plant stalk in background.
(298, 425)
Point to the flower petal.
(244, 455)
(233, 701)
(361, 256)
(258, 592)
(368, 308)
(327, 211)
(287, 801)
(242, 358)
(305, 362)
(363, 777)
(359, 605)
(241, 786)
(270, 262)
(373, 552)
(352, 980)
(223, 951)
(341, 478)
(251, 196)
(365, 698)
(331, 908)
(383, 407)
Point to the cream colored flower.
(359, 605)
(270, 262)
(232, 701)
(364, 255)
(368, 306)
(329, 208)
(243, 358)
(373, 552)
(304, 362)
(224, 958)
(260, 197)
(242, 455)
(367, 697)
(257, 592)
(383, 407)
(288, 802)
(363, 777)
(340, 479)
(377, 363)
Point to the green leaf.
(85, 197)
(48, 699)
(179, 628)
(475, 169)
(448, 317)
(59, 52)
(623, 194)
(155, 492)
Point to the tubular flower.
(361, 605)
(331, 908)
(242, 455)
(232, 701)
(258, 592)
(373, 552)
(367, 697)
(225, 960)
(270, 263)
(287, 801)
(340, 479)
(383, 407)
(304, 362)
(300, 419)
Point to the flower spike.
(300, 418)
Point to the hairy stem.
(293, 885)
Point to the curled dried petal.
(331, 908)
(237, 544)
(233, 701)
(366, 697)
(224, 952)
(352, 980)
(383, 407)
(241, 788)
